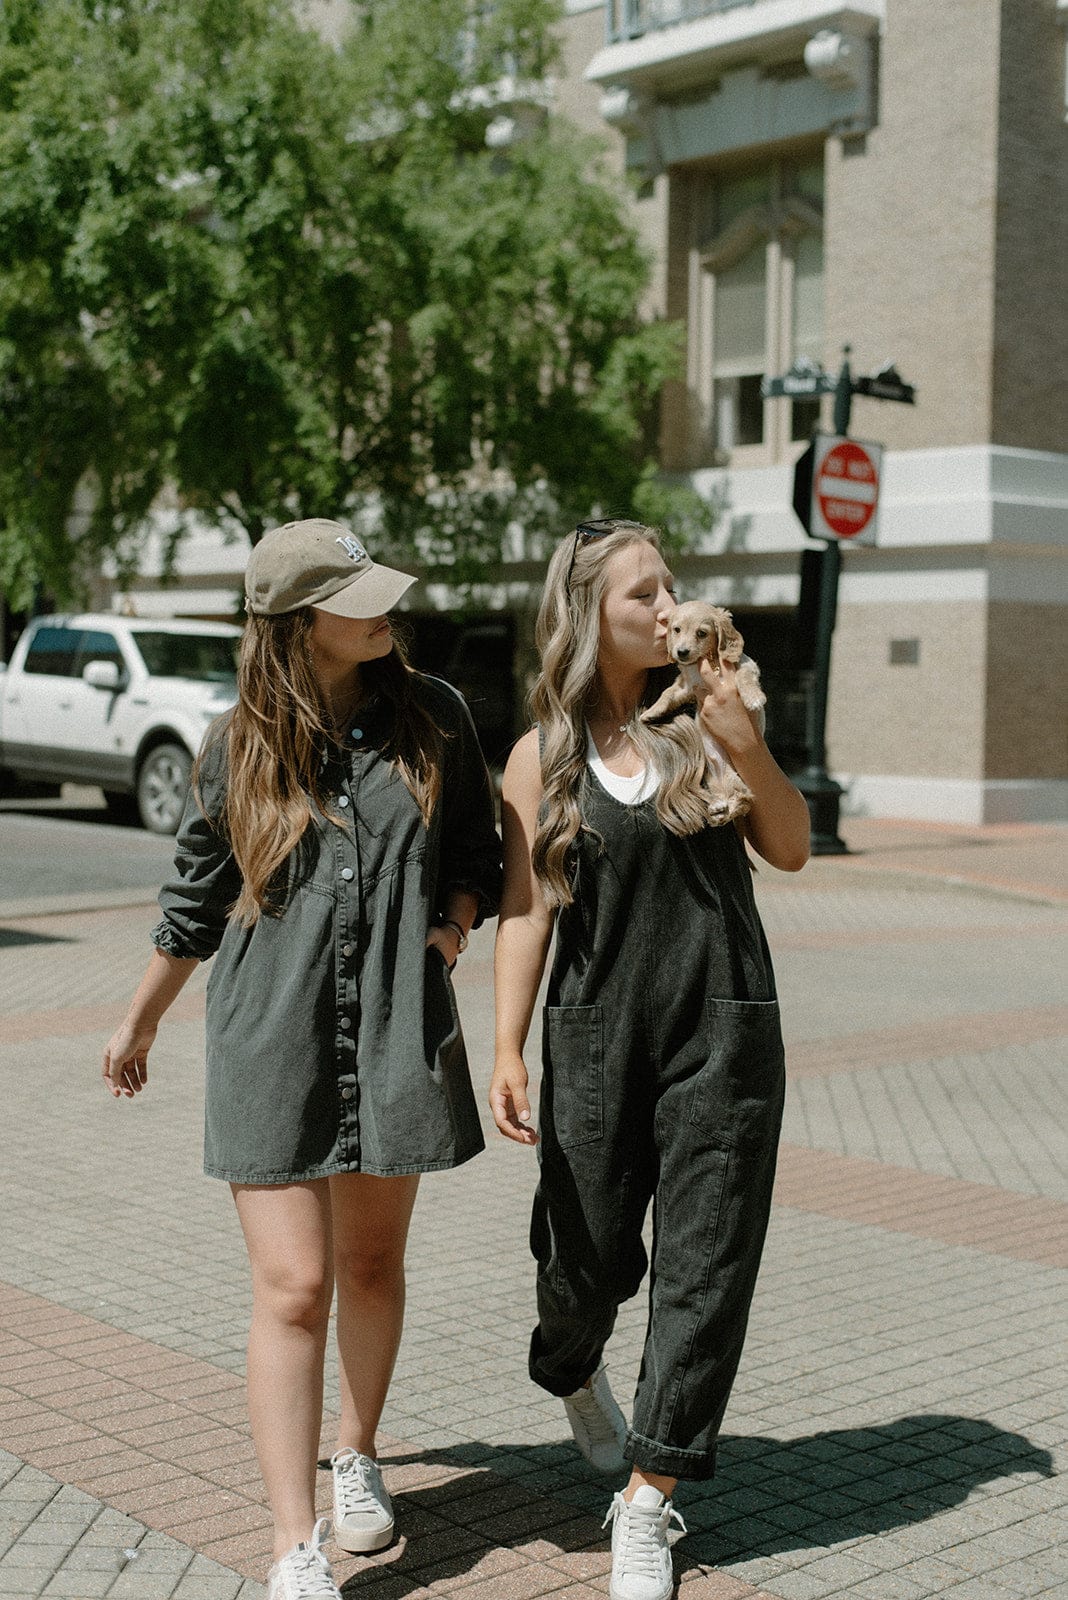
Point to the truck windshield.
(207, 657)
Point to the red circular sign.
(847, 488)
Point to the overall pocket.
(574, 1067)
(739, 1092)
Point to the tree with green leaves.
(255, 273)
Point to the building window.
(761, 305)
(741, 301)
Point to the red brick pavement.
(924, 1204)
(163, 1437)
(974, 1031)
(70, 1022)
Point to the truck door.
(37, 703)
(98, 736)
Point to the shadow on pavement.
(769, 1496)
(65, 811)
(12, 938)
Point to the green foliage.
(279, 277)
(682, 515)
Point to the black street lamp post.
(822, 793)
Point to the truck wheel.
(162, 785)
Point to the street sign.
(805, 379)
(845, 489)
(885, 386)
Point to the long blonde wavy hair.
(568, 637)
(274, 740)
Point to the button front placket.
(346, 934)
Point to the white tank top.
(631, 791)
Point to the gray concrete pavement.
(55, 854)
(898, 1429)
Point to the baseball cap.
(319, 563)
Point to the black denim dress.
(663, 1079)
(333, 1040)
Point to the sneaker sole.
(361, 1544)
(618, 1594)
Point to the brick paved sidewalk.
(899, 1426)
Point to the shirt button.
(346, 949)
(357, 733)
(348, 874)
(346, 1023)
(346, 1093)
(342, 799)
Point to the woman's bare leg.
(288, 1236)
(370, 1219)
(638, 1477)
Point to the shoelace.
(640, 1553)
(354, 1483)
(308, 1567)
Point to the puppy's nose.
(682, 652)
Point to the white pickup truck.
(123, 702)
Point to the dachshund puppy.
(698, 631)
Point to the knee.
(592, 1297)
(369, 1271)
(295, 1297)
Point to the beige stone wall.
(1030, 406)
(910, 225)
(1027, 691)
(680, 422)
(581, 36)
(924, 721)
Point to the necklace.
(607, 721)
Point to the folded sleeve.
(470, 843)
(196, 899)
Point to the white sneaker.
(641, 1559)
(597, 1423)
(363, 1512)
(304, 1574)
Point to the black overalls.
(663, 1079)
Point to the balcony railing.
(629, 19)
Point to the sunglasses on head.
(587, 532)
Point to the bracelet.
(447, 922)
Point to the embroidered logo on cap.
(352, 548)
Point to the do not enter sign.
(845, 489)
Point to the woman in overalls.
(662, 1054)
(337, 847)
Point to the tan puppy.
(698, 631)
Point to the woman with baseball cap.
(338, 845)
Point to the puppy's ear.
(730, 640)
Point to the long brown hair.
(568, 637)
(274, 740)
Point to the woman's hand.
(777, 825)
(125, 1069)
(721, 710)
(447, 940)
(508, 1100)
